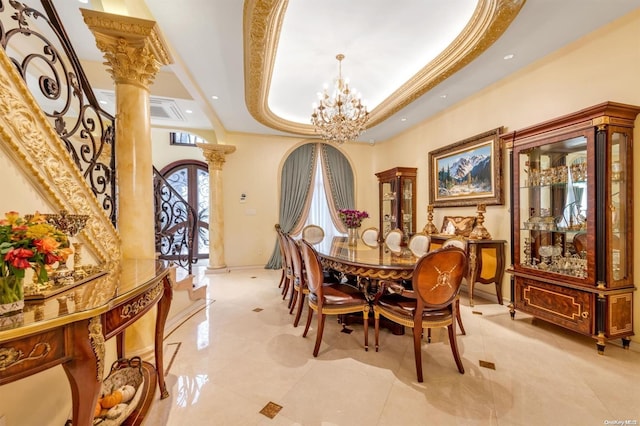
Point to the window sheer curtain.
(297, 175)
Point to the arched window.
(190, 178)
(319, 211)
(309, 171)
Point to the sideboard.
(71, 329)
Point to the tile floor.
(240, 355)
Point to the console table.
(486, 262)
(71, 329)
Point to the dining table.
(369, 264)
(378, 262)
(372, 268)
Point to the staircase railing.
(176, 224)
(36, 42)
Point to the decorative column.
(215, 156)
(134, 51)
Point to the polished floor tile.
(240, 361)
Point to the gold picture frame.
(467, 173)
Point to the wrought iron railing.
(176, 223)
(36, 42)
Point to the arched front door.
(190, 178)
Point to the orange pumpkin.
(96, 411)
(112, 399)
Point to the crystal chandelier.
(340, 117)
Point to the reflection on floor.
(239, 361)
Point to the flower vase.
(352, 236)
(11, 295)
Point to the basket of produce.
(121, 392)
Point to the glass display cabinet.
(397, 188)
(573, 221)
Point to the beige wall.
(568, 80)
(573, 78)
(602, 66)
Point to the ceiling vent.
(160, 108)
(165, 109)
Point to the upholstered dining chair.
(300, 289)
(313, 234)
(436, 283)
(419, 244)
(329, 299)
(393, 240)
(370, 236)
(288, 282)
(455, 242)
(281, 244)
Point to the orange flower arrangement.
(30, 242)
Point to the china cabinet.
(397, 192)
(573, 221)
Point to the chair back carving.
(437, 277)
(313, 234)
(419, 244)
(370, 237)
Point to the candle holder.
(479, 232)
(430, 228)
(70, 224)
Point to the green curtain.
(294, 190)
(340, 183)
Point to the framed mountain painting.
(468, 172)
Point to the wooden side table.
(75, 337)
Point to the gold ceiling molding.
(262, 25)
(27, 138)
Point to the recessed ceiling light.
(444, 96)
(188, 111)
(403, 119)
(214, 97)
(509, 56)
(84, 1)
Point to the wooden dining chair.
(432, 302)
(419, 244)
(458, 242)
(370, 237)
(283, 262)
(288, 282)
(329, 298)
(300, 289)
(393, 239)
(461, 243)
(313, 234)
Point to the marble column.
(134, 51)
(215, 156)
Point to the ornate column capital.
(215, 154)
(133, 47)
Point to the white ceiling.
(384, 41)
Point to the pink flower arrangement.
(352, 218)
